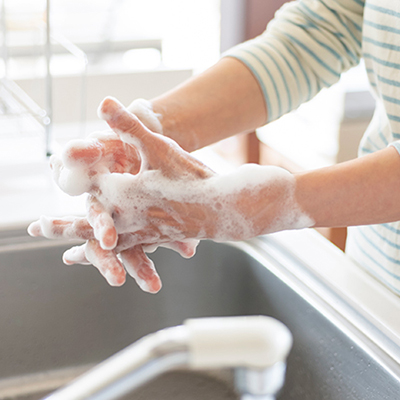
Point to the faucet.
(255, 347)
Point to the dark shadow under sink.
(57, 321)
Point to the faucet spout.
(130, 368)
(256, 347)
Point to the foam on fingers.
(103, 225)
(187, 248)
(76, 255)
(125, 124)
(142, 269)
(47, 228)
(105, 231)
(107, 262)
(173, 200)
(73, 181)
(34, 229)
(143, 109)
(108, 107)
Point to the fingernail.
(104, 109)
(34, 229)
(113, 279)
(152, 286)
(108, 239)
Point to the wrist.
(265, 198)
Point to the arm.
(178, 199)
(358, 192)
(221, 102)
(308, 45)
(230, 98)
(251, 201)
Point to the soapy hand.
(82, 168)
(135, 261)
(161, 195)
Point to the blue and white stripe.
(307, 47)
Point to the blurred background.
(60, 58)
(123, 48)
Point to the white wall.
(233, 19)
(68, 97)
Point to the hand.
(102, 152)
(80, 168)
(172, 198)
(82, 164)
(86, 164)
(135, 261)
(155, 196)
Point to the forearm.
(359, 192)
(265, 78)
(221, 102)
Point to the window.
(118, 37)
(187, 29)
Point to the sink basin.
(57, 321)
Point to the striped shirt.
(306, 48)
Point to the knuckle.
(134, 126)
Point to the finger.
(118, 155)
(107, 262)
(105, 147)
(186, 249)
(122, 156)
(82, 153)
(161, 152)
(62, 228)
(132, 239)
(71, 181)
(142, 269)
(143, 109)
(121, 120)
(129, 127)
(76, 255)
(102, 223)
(35, 229)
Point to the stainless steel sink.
(57, 321)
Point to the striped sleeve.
(305, 48)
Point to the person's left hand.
(108, 262)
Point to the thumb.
(160, 152)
